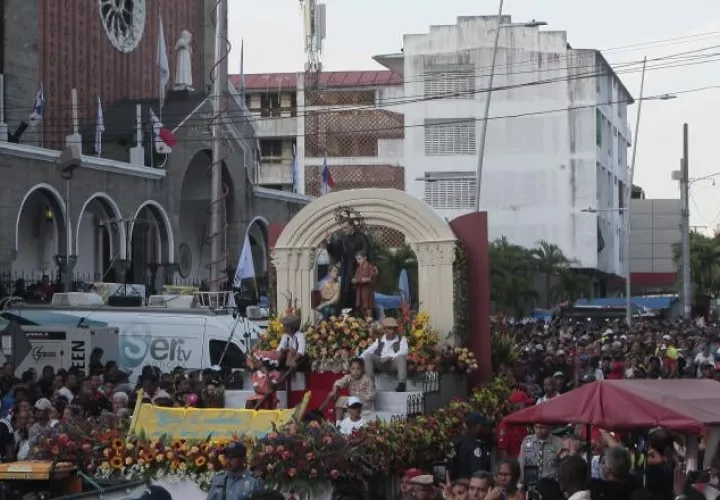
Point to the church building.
(83, 75)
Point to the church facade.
(127, 212)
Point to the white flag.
(162, 61)
(245, 268)
(36, 115)
(99, 128)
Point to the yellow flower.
(274, 344)
(200, 461)
(159, 457)
(128, 460)
(117, 444)
(194, 449)
(116, 462)
(182, 466)
(170, 455)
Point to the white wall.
(540, 166)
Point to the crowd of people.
(490, 461)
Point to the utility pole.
(219, 93)
(628, 202)
(685, 198)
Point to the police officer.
(235, 482)
(472, 452)
(539, 455)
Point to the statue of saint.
(343, 249)
(330, 294)
(183, 62)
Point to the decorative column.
(281, 262)
(435, 283)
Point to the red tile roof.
(330, 79)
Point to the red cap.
(520, 397)
(414, 472)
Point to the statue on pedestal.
(183, 62)
(343, 248)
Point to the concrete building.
(557, 139)
(340, 117)
(655, 230)
(128, 213)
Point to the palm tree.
(571, 285)
(511, 276)
(549, 260)
(390, 263)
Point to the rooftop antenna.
(314, 22)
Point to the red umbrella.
(681, 405)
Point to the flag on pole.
(163, 138)
(162, 61)
(36, 115)
(294, 170)
(99, 128)
(328, 183)
(245, 268)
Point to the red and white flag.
(163, 138)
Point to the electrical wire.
(679, 59)
(194, 120)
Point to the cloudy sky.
(625, 30)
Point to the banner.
(200, 423)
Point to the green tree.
(550, 261)
(390, 263)
(704, 264)
(571, 285)
(511, 277)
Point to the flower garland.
(297, 458)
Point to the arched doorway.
(258, 238)
(41, 233)
(428, 235)
(151, 245)
(194, 225)
(100, 239)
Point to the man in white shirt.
(388, 354)
(291, 350)
(353, 420)
(703, 358)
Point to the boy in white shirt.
(353, 417)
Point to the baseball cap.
(43, 404)
(236, 449)
(353, 401)
(476, 418)
(413, 472)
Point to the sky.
(624, 30)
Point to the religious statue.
(343, 248)
(364, 283)
(183, 65)
(330, 294)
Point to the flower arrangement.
(297, 459)
(332, 343)
(300, 458)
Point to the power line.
(500, 117)
(195, 121)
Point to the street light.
(483, 131)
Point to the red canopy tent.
(682, 405)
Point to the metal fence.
(37, 285)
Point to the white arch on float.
(115, 215)
(432, 239)
(379, 207)
(58, 199)
(168, 227)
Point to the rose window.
(124, 22)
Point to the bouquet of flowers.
(308, 456)
(270, 340)
(334, 342)
(457, 359)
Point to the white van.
(152, 337)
